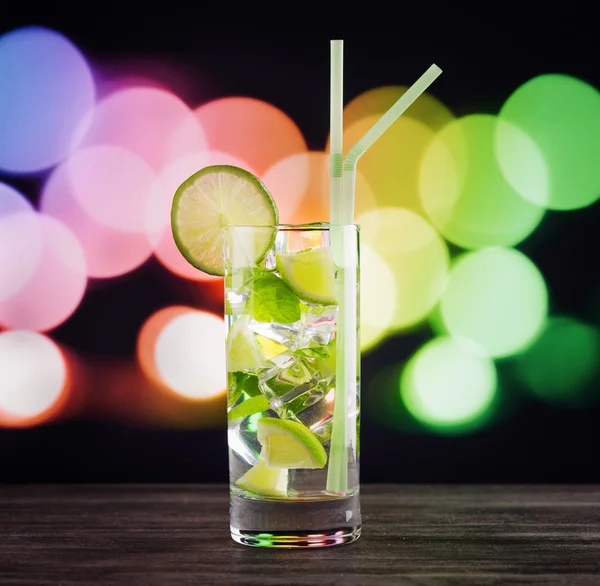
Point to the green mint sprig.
(270, 299)
(241, 382)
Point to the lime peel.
(243, 351)
(249, 407)
(310, 274)
(289, 444)
(264, 481)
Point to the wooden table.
(178, 534)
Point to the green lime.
(261, 479)
(310, 274)
(270, 348)
(289, 444)
(215, 197)
(243, 352)
(248, 407)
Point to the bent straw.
(400, 106)
(347, 350)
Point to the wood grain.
(412, 534)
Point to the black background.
(206, 53)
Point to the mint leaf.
(250, 384)
(271, 300)
(324, 434)
(252, 274)
(241, 382)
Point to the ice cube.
(293, 385)
(317, 325)
(286, 334)
(235, 303)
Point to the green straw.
(336, 109)
(401, 105)
(345, 249)
(337, 471)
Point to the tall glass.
(282, 335)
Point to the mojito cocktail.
(293, 405)
(282, 336)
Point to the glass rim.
(308, 227)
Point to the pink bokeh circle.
(56, 287)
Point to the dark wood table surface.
(412, 534)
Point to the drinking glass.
(293, 442)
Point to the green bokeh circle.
(563, 363)
(562, 115)
(444, 385)
(496, 298)
(464, 192)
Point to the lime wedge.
(261, 479)
(289, 444)
(214, 197)
(243, 351)
(270, 348)
(248, 407)
(310, 274)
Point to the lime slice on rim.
(310, 274)
(265, 481)
(243, 351)
(214, 197)
(289, 444)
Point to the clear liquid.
(299, 384)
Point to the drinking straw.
(411, 94)
(336, 109)
(345, 250)
(338, 454)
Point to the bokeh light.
(20, 241)
(463, 190)
(33, 378)
(190, 355)
(251, 130)
(375, 102)
(112, 165)
(378, 294)
(112, 185)
(299, 185)
(447, 387)
(109, 252)
(158, 215)
(12, 202)
(497, 298)
(149, 333)
(57, 285)
(391, 166)
(561, 366)
(151, 122)
(416, 255)
(118, 390)
(562, 115)
(47, 89)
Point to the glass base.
(284, 539)
(319, 522)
